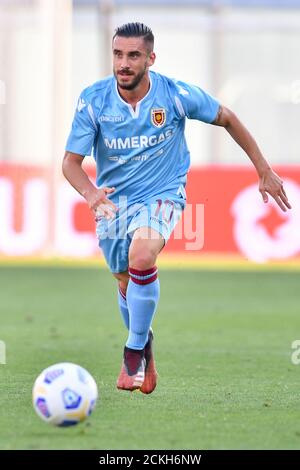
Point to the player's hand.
(271, 183)
(100, 204)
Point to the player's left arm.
(269, 181)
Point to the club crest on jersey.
(158, 117)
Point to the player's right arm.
(96, 198)
(80, 143)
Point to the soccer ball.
(64, 394)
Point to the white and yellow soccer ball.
(64, 394)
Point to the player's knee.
(123, 285)
(142, 259)
(123, 279)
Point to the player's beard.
(135, 82)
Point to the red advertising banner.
(41, 214)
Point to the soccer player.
(134, 123)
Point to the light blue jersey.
(141, 152)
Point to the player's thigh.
(151, 228)
(155, 221)
(145, 246)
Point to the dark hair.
(136, 30)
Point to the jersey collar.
(134, 112)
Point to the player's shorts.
(160, 213)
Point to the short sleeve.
(195, 103)
(84, 129)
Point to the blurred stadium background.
(243, 52)
(224, 339)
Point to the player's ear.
(151, 58)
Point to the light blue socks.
(139, 304)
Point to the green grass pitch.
(222, 345)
